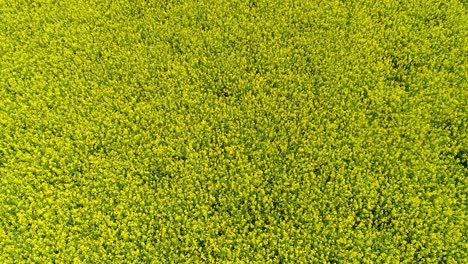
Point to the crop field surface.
(233, 131)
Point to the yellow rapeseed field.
(233, 131)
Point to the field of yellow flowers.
(233, 131)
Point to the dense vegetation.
(233, 131)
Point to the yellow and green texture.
(233, 131)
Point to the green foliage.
(218, 131)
